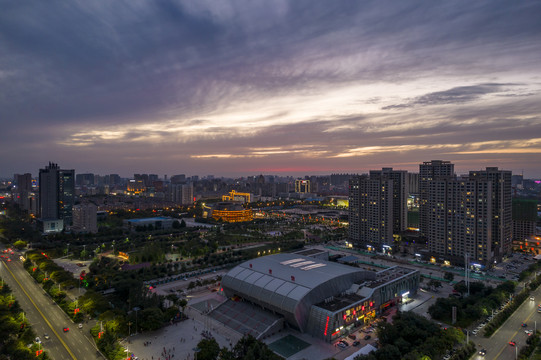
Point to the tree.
(19, 244)
(208, 349)
(183, 303)
(449, 276)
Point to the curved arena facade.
(290, 284)
(318, 296)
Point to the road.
(497, 345)
(46, 317)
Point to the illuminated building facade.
(237, 196)
(231, 212)
(135, 186)
(325, 299)
(302, 186)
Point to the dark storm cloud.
(457, 95)
(88, 73)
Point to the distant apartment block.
(85, 218)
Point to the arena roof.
(290, 283)
(306, 271)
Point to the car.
(532, 298)
(352, 336)
(46, 336)
(66, 329)
(524, 325)
(38, 340)
(474, 332)
(528, 332)
(512, 343)
(80, 326)
(341, 345)
(483, 352)
(367, 337)
(356, 343)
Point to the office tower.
(56, 193)
(400, 195)
(502, 222)
(302, 186)
(85, 218)
(429, 171)
(371, 212)
(524, 215)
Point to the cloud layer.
(242, 87)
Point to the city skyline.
(281, 88)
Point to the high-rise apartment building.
(459, 219)
(371, 212)
(400, 195)
(56, 193)
(466, 215)
(502, 222)
(524, 220)
(429, 171)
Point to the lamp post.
(136, 309)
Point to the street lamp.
(136, 309)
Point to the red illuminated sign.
(326, 326)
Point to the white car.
(80, 326)
(474, 332)
(532, 298)
(38, 340)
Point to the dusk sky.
(237, 88)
